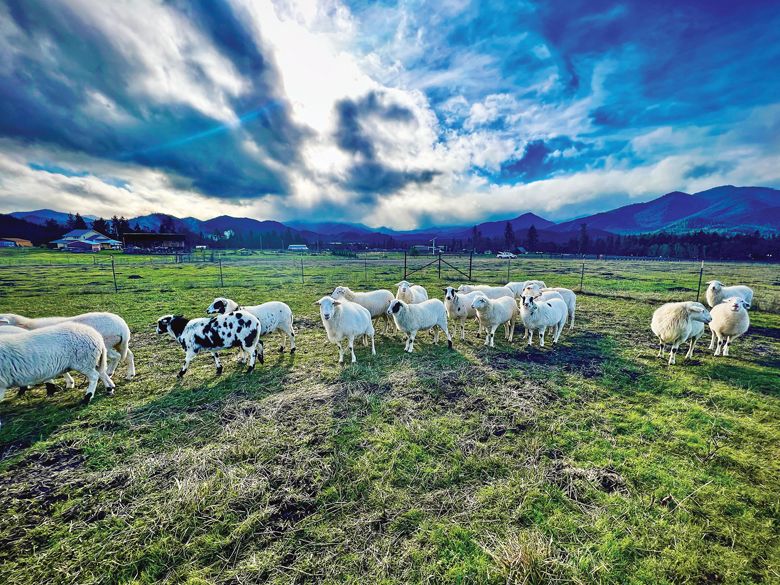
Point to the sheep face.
(528, 299)
(328, 307)
(222, 305)
(339, 292)
(479, 303)
(8, 319)
(698, 312)
(736, 304)
(532, 291)
(715, 286)
(404, 286)
(450, 294)
(395, 307)
(171, 324)
(465, 288)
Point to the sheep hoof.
(111, 391)
(250, 369)
(22, 390)
(219, 371)
(180, 374)
(87, 398)
(261, 358)
(281, 349)
(50, 389)
(449, 344)
(292, 351)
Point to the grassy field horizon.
(590, 462)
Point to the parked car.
(505, 255)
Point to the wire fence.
(630, 278)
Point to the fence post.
(701, 274)
(404, 278)
(582, 275)
(365, 270)
(301, 269)
(221, 280)
(439, 265)
(471, 259)
(113, 273)
(508, 263)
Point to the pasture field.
(589, 462)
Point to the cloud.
(395, 114)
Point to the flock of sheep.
(34, 351)
(675, 323)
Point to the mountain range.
(724, 209)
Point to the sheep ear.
(316, 303)
(4, 322)
(747, 306)
(336, 302)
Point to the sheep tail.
(102, 364)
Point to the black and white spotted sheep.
(213, 334)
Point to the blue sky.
(402, 114)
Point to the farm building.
(81, 246)
(297, 248)
(15, 243)
(159, 243)
(88, 236)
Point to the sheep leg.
(571, 320)
(108, 383)
(660, 349)
(187, 359)
(217, 363)
(255, 353)
(351, 341)
(373, 349)
(69, 383)
(530, 336)
(114, 357)
(718, 346)
(511, 331)
(726, 346)
(462, 330)
(690, 348)
(341, 351)
(558, 331)
(93, 378)
(446, 330)
(412, 337)
(284, 341)
(672, 353)
(712, 340)
(542, 333)
(435, 336)
(130, 365)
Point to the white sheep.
(495, 312)
(518, 287)
(458, 306)
(491, 292)
(567, 295)
(717, 293)
(346, 320)
(51, 387)
(426, 315)
(538, 315)
(273, 316)
(672, 324)
(36, 356)
(114, 329)
(730, 319)
(376, 301)
(411, 293)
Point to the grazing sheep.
(567, 295)
(36, 356)
(491, 292)
(495, 312)
(346, 320)
(51, 387)
(376, 301)
(717, 293)
(426, 315)
(730, 319)
(411, 293)
(458, 306)
(672, 324)
(114, 329)
(518, 287)
(538, 315)
(273, 316)
(212, 334)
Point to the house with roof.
(90, 240)
(15, 243)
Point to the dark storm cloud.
(368, 176)
(45, 102)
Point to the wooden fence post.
(221, 279)
(582, 275)
(404, 278)
(439, 265)
(508, 263)
(471, 260)
(301, 269)
(113, 273)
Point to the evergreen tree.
(509, 236)
(533, 238)
(584, 240)
(79, 223)
(101, 225)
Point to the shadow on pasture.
(739, 375)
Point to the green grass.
(591, 462)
